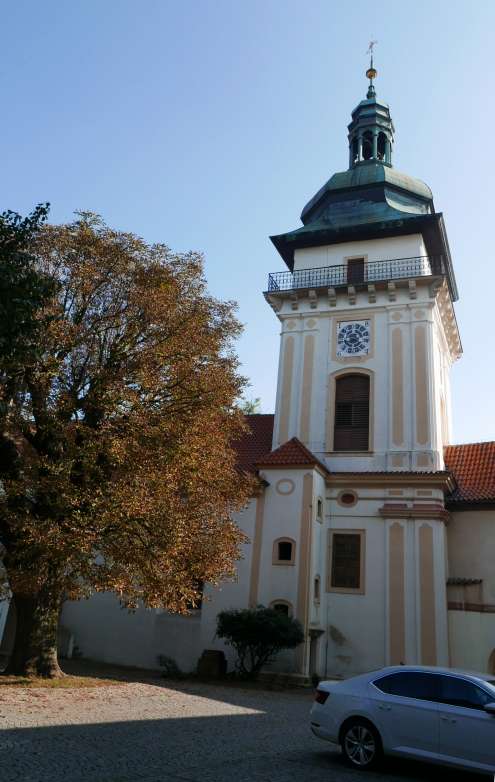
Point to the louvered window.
(346, 561)
(352, 413)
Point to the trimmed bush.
(258, 635)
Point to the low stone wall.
(106, 632)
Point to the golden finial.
(371, 73)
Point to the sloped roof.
(473, 466)
(291, 454)
(256, 442)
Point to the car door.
(467, 731)
(406, 712)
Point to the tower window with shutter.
(346, 561)
(352, 413)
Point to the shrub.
(257, 635)
(170, 668)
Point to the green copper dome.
(401, 191)
(371, 199)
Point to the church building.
(369, 525)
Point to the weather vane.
(371, 47)
(371, 73)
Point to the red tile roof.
(471, 464)
(473, 467)
(256, 442)
(290, 454)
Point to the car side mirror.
(490, 708)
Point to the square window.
(285, 551)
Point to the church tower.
(368, 337)
(368, 327)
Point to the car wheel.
(361, 744)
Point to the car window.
(460, 692)
(422, 686)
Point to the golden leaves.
(130, 412)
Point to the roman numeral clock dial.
(353, 338)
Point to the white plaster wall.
(232, 594)
(356, 640)
(410, 246)
(297, 334)
(379, 362)
(358, 625)
(440, 596)
(106, 632)
(282, 518)
(472, 640)
(299, 318)
(318, 552)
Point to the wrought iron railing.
(344, 274)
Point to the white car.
(437, 715)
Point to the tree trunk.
(35, 645)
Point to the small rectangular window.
(346, 561)
(282, 608)
(285, 551)
(355, 270)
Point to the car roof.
(485, 677)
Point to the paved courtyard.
(157, 732)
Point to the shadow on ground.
(271, 743)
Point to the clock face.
(353, 338)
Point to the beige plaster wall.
(471, 549)
(472, 640)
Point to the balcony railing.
(357, 274)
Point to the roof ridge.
(288, 452)
(463, 445)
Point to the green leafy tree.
(251, 406)
(258, 635)
(24, 290)
(119, 414)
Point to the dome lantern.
(371, 132)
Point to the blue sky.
(207, 125)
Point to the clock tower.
(366, 307)
(368, 337)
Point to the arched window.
(355, 151)
(284, 550)
(316, 589)
(319, 509)
(283, 606)
(367, 145)
(352, 413)
(382, 146)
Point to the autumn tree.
(122, 476)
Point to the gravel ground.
(156, 732)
